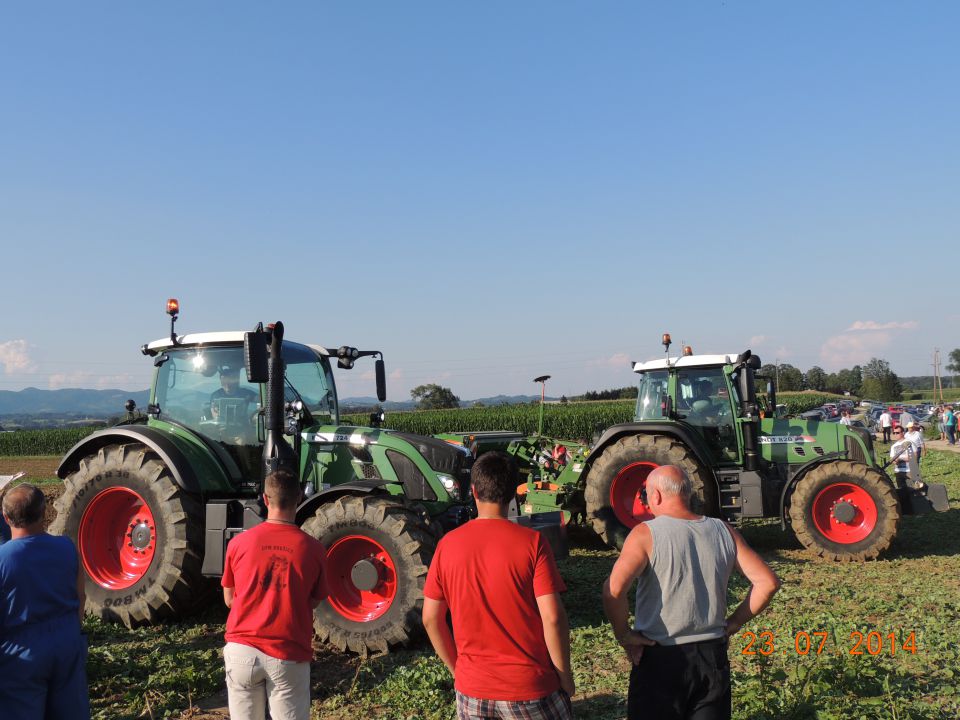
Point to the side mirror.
(754, 362)
(255, 356)
(381, 373)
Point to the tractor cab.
(699, 391)
(201, 384)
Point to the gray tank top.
(682, 594)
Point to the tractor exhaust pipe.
(749, 410)
(277, 453)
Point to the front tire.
(138, 534)
(614, 506)
(378, 552)
(845, 511)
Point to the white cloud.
(756, 340)
(873, 325)
(845, 350)
(396, 374)
(617, 360)
(14, 357)
(782, 353)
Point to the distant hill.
(69, 401)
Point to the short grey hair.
(672, 480)
(24, 505)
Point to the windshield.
(650, 394)
(206, 389)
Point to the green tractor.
(153, 502)
(701, 412)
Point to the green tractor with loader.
(152, 503)
(701, 412)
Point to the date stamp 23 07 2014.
(870, 642)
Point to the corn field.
(42, 442)
(569, 421)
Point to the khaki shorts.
(255, 679)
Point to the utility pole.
(776, 363)
(937, 380)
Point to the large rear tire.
(378, 552)
(845, 511)
(138, 534)
(618, 476)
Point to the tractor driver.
(230, 389)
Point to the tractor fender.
(684, 434)
(172, 455)
(308, 507)
(796, 475)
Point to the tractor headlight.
(450, 485)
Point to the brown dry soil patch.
(39, 471)
(36, 466)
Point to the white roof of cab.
(227, 337)
(685, 361)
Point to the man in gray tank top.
(683, 562)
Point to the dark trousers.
(886, 434)
(681, 682)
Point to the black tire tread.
(177, 588)
(413, 542)
(633, 448)
(871, 480)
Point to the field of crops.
(42, 442)
(570, 421)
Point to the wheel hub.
(140, 535)
(365, 574)
(844, 512)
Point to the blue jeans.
(43, 673)
(951, 433)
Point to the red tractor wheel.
(626, 493)
(139, 536)
(843, 510)
(117, 538)
(617, 478)
(378, 552)
(363, 578)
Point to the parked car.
(863, 426)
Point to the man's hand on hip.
(633, 643)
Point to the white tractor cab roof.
(686, 361)
(229, 337)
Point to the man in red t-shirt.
(510, 648)
(274, 576)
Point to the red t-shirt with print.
(490, 573)
(277, 572)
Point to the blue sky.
(487, 192)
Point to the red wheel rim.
(360, 605)
(117, 538)
(625, 493)
(844, 513)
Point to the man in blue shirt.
(42, 651)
